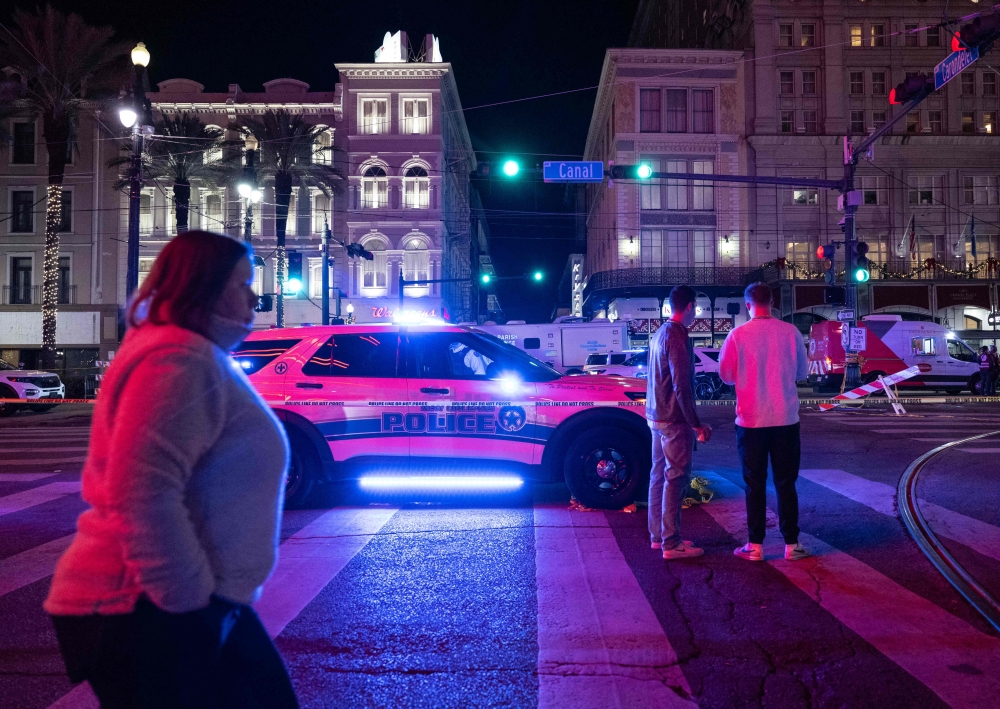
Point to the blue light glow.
(441, 482)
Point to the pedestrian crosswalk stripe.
(39, 460)
(23, 477)
(45, 450)
(599, 641)
(916, 634)
(36, 496)
(31, 565)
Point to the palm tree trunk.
(182, 203)
(56, 131)
(282, 198)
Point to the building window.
(969, 83)
(64, 282)
(323, 148)
(146, 213)
(316, 277)
(628, 250)
(785, 35)
(66, 214)
(416, 116)
(374, 116)
(807, 196)
(374, 188)
(258, 280)
(787, 82)
(320, 213)
(145, 266)
(808, 82)
(934, 37)
(810, 120)
(375, 273)
(678, 250)
(912, 122)
(215, 153)
(878, 83)
(22, 203)
(936, 121)
(677, 110)
(911, 35)
(788, 121)
(857, 82)
(703, 191)
(878, 119)
(968, 122)
(23, 152)
(989, 122)
(704, 249)
(20, 280)
(651, 248)
(416, 188)
(677, 189)
(980, 189)
(416, 261)
(704, 110)
(926, 189)
(878, 35)
(808, 35)
(213, 212)
(989, 83)
(649, 110)
(855, 32)
(857, 122)
(873, 190)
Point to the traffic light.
(264, 304)
(828, 254)
(537, 276)
(979, 33)
(642, 171)
(293, 282)
(859, 270)
(911, 88)
(511, 168)
(359, 251)
(485, 278)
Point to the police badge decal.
(510, 418)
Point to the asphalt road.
(520, 602)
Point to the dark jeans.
(220, 656)
(781, 444)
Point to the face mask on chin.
(226, 332)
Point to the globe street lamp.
(137, 116)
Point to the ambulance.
(409, 405)
(893, 344)
(567, 343)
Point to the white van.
(564, 346)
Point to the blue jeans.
(669, 478)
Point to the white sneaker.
(750, 552)
(794, 552)
(684, 550)
(659, 545)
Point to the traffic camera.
(911, 89)
(860, 272)
(979, 33)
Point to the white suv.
(27, 384)
(448, 404)
(634, 364)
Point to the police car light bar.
(441, 482)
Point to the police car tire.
(590, 441)
(302, 466)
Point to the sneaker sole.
(747, 557)
(685, 555)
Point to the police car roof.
(316, 330)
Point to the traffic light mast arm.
(745, 179)
(887, 126)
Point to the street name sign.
(573, 171)
(952, 65)
(845, 315)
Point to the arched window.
(375, 273)
(322, 147)
(416, 188)
(215, 154)
(416, 260)
(374, 188)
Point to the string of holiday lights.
(50, 267)
(990, 267)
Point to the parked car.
(29, 384)
(634, 363)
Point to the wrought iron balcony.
(32, 295)
(655, 276)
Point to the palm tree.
(61, 63)
(288, 146)
(182, 148)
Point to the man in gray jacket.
(671, 414)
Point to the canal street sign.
(952, 65)
(573, 171)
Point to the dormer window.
(374, 188)
(416, 188)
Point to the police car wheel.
(303, 465)
(603, 467)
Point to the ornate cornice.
(416, 70)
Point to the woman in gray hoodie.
(184, 478)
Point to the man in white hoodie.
(763, 358)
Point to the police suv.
(360, 401)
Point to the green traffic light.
(861, 275)
(511, 168)
(644, 172)
(537, 275)
(485, 278)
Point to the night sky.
(499, 50)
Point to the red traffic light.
(912, 87)
(980, 31)
(826, 252)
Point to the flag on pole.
(901, 249)
(972, 234)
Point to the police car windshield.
(529, 366)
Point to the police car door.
(347, 387)
(468, 407)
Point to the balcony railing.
(32, 295)
(655, 276)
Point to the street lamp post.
(248, 188)
(135, 116)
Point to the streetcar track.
(931, 546)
